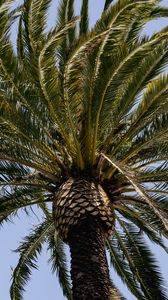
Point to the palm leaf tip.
(84, 21)
(107, 4)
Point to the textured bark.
(84, 218)
(89, 268)
(78, 197)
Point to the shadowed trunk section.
(89, 269)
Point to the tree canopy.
(92, 102)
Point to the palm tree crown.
(91, 105)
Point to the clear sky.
(43, 284)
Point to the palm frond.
(58, 260)
(122, 268)
(141, 261)
(153, 104)
(13, 200)
(129, 212)
(125, 10)
(66, 14)
(150, 64)
(140, 190)
(37, 21)
(157, 173)
(107, 4)
(57, 108)
(75, 82)
(29, 251)
(134, 208)
(17, 113)
(32, 28)
(9, 170)
(145, 140)
(18, 145)
(5, 22)
(84, 21)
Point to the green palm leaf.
(145, 225)
(107, 4)
(122, 269)
(84, 18)
(58, 260)
(141, 191)
(12, 202)
(29, 252)
(142, 261)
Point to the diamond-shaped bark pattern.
(78, 198)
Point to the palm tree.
(84, 126)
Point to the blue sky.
(44, 285)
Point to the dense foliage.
(93, 103)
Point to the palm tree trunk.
(84, 218)
(89, 269)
